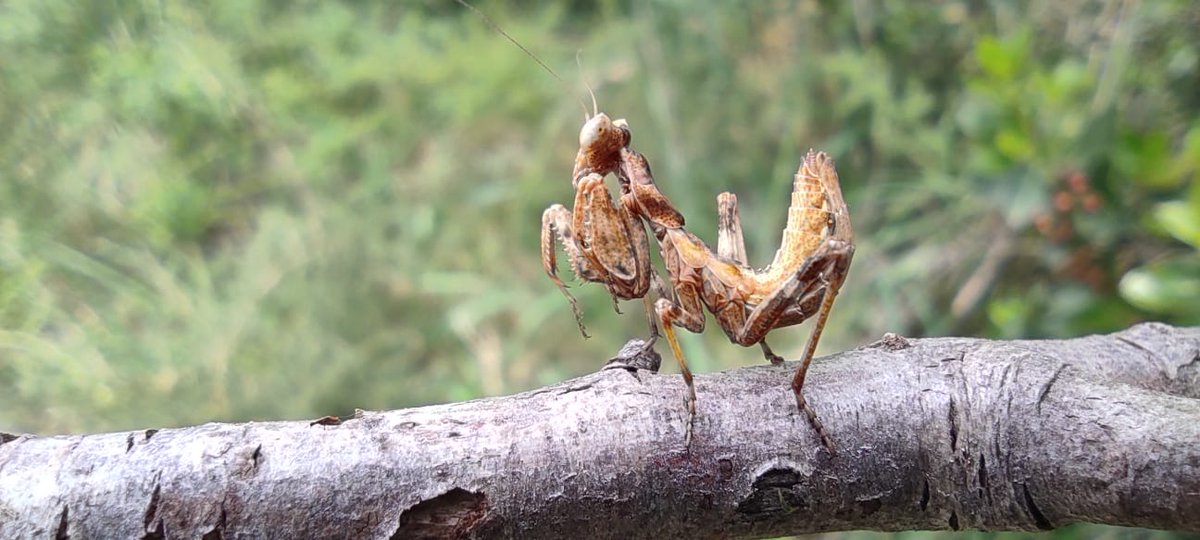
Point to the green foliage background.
(261, 209)
(253, 209)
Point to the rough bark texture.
(933, 434)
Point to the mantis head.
(601, 140)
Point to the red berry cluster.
(1073, 193)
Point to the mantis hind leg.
(731, 243)
(810, 349)
(820, 277)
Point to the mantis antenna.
(501, 31)
(586, 84)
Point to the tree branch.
(941, 433)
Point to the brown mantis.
(606, 243)
(604, 246)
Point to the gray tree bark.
(940, 433)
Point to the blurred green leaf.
(1002, 59)
(1144, 157)
(1168, 287)
(1181, 219)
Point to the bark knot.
(453, 514)
(776, 492)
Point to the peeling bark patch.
(953, 426)
(953, 522)
(156, 534)
(248, 466)
(870, 506)
(1039, 519)
(634, 355)
(1182, 373)
(61, 533)
(128, 443)
(894, 342)
(151, 513)
(6, 438)
(215, 533)
(925, 495)
(725, 467)
(150, 433)
(774, 494)
(453, 514)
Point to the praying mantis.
(606, 243)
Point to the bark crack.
(576, 388)
(1045, 391)
(1039, 519)
(1132, 343)
(953, 426)
(983, 478)
(151, 514)
(62, 532)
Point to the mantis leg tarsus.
(577, 312)
(773, 358)
(814, 421)
(666, 312)
(650, 320)
(574, 304)
(615, 301)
